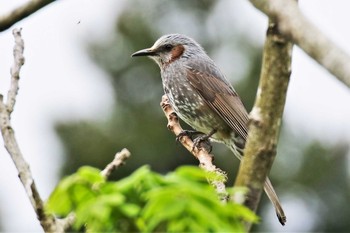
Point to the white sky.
(60, 82)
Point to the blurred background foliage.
(311, 177)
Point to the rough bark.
(265, 118)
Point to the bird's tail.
(269, 190)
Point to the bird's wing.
(220, 96)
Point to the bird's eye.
(168, 47)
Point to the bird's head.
(170, 48)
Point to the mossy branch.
(265, 118)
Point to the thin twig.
(9, 19)
(15, 69)
(119, 160)
(62, 225)
(296, 27)
(205, 159)
(10, 142)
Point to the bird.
(202, 97)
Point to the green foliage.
(181, 201)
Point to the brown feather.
(220, 97)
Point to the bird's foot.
(189, 133)
(203, 141)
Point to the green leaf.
(90, 174)
(191, 173)
(136, 178)
(130, 210)
(158, 212)
(59, 202)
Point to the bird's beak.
(144, 52)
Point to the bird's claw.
(189, 133)
(202, 142)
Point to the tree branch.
(201, 154)
(10, 142)
(7, 20)
(294, 26)
(48, 222)
(266, 116)
(118, 161)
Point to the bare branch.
(62, 225)
(10, 142)
(265, 118)
(48, 222)
(7, 20)
(16, 68)
(294, 26)
(203, 156)
(118, 161)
